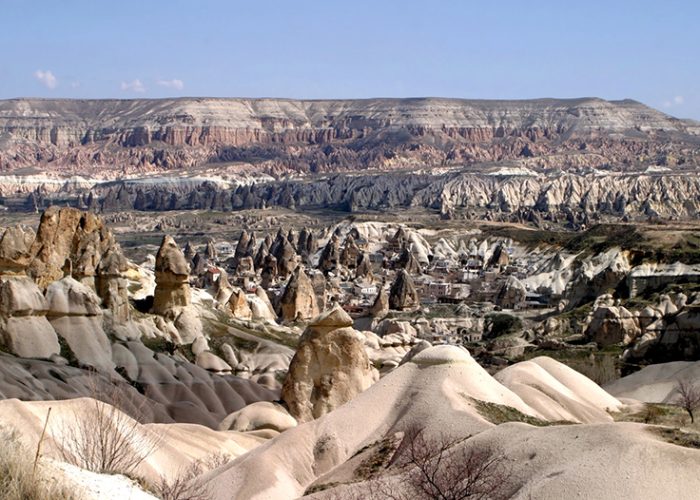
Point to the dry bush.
(435, 468)
(688, 397)
(18, 478)
(102, 438)
(184, 486)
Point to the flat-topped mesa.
(172, 278)
(326, 134)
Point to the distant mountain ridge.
(277, 136)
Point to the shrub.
(18, 478)
(102, 438)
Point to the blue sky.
(649, 51)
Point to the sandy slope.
(178, 444)
(436, 390)
(655, 383)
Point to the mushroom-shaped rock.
(24, 329)
(257, 416)
(172, 274)
(298, 303)
(329, 368)
(403, 293)
(111, 285)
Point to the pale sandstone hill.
(655, 383)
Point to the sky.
(614, 49)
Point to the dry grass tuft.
(18, 479)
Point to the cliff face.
(278, 136)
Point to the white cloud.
(133, 86)
(676, 101)
(172, 84)
(46, 78)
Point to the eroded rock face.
(238, 305)
(24, 329)
(403, 293)
(329, 368)
(330, 257)
(68, 234)
(75, 314)
(512, 294)
(380, 307)
(298, 303)
(15, 246)
(613, 325)
(172, 274)
(111, 285)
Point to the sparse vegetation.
(102, 438)
(18, 478)
(184, 486)
(688, 397)
(443, 468)
(499, 324)
(679, 437)
(500, 414)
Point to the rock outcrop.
(75, 314)
(329, 368)
(298, 302)
(613, 325)
(24, 329)
(172, 298)
(238, 305)
(403, 293)
(172, 278)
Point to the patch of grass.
(678, 437)
(315, 488)
(500, 414)
(653, 413)
(379, 458)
